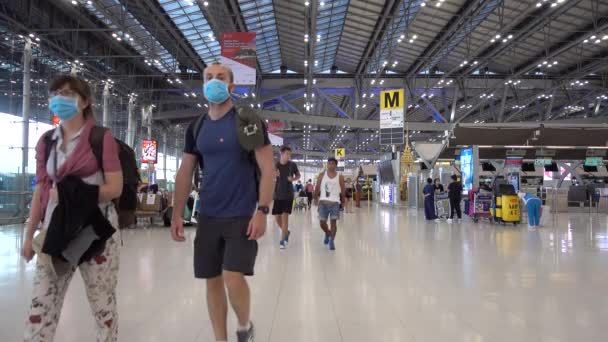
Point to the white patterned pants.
(100, 279)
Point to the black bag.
(127, 203)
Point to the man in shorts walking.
(329, 195)
(225, 246)
(287, 173)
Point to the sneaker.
(332, 246)
(282, 244)
(437, 220)
(450, 221)
(246, 336)
(326, 241)
(287, 236)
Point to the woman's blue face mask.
(65, 107)
(216, 91)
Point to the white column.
(106, 106)
(27, 95)
(177, 149)
(598, 104)
(165, 133)
(131, 122)
(149, 123)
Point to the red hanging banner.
(239, 53)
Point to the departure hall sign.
(392, 105)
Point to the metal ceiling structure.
(322, 64)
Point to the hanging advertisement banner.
(149, 151)
(239, 53)
(274, 129)
(392, 105)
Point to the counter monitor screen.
(488, 167)
(528, 167)
(588, 168)
(551, 167)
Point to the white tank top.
(330, 188)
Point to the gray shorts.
(222, 244)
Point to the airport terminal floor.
(394, 277)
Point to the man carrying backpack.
(229, 144)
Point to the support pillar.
(131, 122)
(454, 103)
(596, 110)
(149, 121)
(503, 102)
(177, 149)
(547, 115)
(106, 106)
(165, 141)
(27, 97)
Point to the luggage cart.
(442, 205)
(300, 204)
(481, 207)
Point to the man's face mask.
(216, 91)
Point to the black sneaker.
(246, 336)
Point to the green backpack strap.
(250, 129)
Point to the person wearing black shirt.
(287, 173)
(455, 195)
(438, 186)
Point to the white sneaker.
(437, 220)
(450, 221)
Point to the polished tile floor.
(394, 277)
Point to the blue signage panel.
(466, 167)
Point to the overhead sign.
(596, 153)
(516, 153)
(594, 161)
(340, 153)
(514, 161)
(239, 53)
(543, 161)
(341, 166)
(546, 153)
(392, 117)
